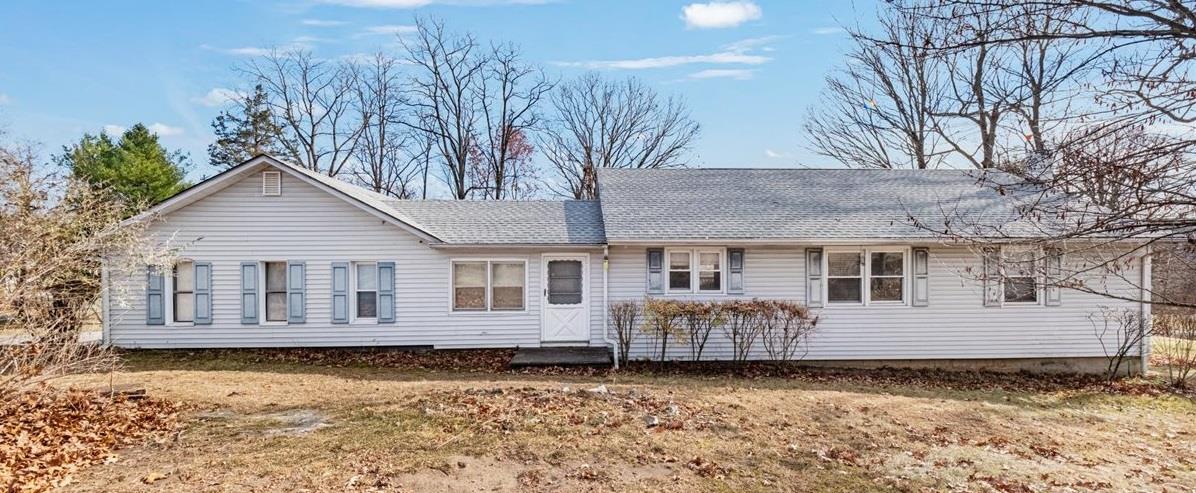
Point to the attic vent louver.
(271, 183)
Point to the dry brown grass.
(261, 426)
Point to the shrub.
(700, 318)
(662, 319)
(625, 317)
(1176, 346)
(787, 327)
(742, 325)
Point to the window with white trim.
(365, 290)
(275, 274)
(886, 276)
(183, 285)
(1019, 278)
(863, 276)
(489, 285)
(695, 270)
(844, 277)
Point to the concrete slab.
(561, 356)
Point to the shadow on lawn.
(491, 366)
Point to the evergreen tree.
(136, 167)
(245, 132)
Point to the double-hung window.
(866, 276)
(184, 292)
(1020, 277)
(489, 285)
(275, 274)
(365, 288)
(697, 270)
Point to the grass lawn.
(257, 424)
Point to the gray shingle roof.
(693, 204)
(569, 222)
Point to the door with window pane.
(565, 314)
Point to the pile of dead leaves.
(506, 410)
(471, 361)
(48, 434)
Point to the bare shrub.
(787, 328)
(700, 319)
(1121, 334)
(56, 230)
(663, 320)
(625, 317)
(742, 324)
(1175, 346)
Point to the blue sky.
(748, 69)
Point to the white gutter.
(606, 307)
(1144, 306)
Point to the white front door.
(566, 316)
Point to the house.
(274, 255)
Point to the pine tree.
(136, 167)
(245, 132)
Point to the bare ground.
(262, 425)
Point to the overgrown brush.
(1176, 347)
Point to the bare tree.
(389, 153)
(612, 124)
(314, 100)
(878, 109)
(508, 95)
(449, 73)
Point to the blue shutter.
(735, 262)
(921, 292)
(296, 292)
(655, 271)
(203, 293)
(386, 292)
(340, 292)
(249, 293)
(814, 277)
(155, 302)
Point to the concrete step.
(561, 356)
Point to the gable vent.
(271, 183)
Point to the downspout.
(105, 301)
(1144, 311)
(606, 308)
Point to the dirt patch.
(47, 435)
(291, 422)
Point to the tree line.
(449, 112)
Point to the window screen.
(843, 277)
(367, 290)
(564, 282)
(184, 292)
(469, 285)
(276, 291)
(506, 285)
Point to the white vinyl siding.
(237, 224)
(955, 323)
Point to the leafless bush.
(663, 320)
(742, 325)
(55, 232)
(1121, 334)
(1176, 346)
(625, 317)
(700, 319)
(787, 327)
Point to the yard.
(268, 422)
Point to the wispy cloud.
(771, 154)
(387, 30)
(718, 15)
(412, 4)
(164, 130)
(299, 43)
(114, 130)
(737, 53)
(827, 30)
(219, 96)
(723, 73)
(4, 99)
(242, 51)
(322, 23)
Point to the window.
(506, 285)
(886, 276)
(366, 289)
(698, 270)
(844, 277)
(184, 292)
(679, 271)
(1019, 278)
(485, 285)
(564, 282)
(276, 291)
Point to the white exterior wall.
(237, 224)
(956, 324)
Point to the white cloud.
(322, 23)
(771, 154)
(164, 130)
(717, 15)
(823, 31)
(737, 53)
(219, 96)
(243, 51)
(4, 99)
(723, 73)
(412, 4)
(114, 130)
(388, 30)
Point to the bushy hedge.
(781, 327)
